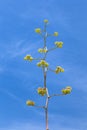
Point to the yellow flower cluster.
(41, 91)
(28, 57)
(45, 21)
(30, 103)
(59, 69)
(38, 30)
(67, 90)
(59, 44)
(55, 34)
(40, 50)
(42, 63)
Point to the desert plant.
(43, 91)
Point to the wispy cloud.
(15, 49)
(62, 123)
(18, 48)
(13, 97)
(10, 94)
(23, 126)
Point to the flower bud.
(41, 91)
(55, 34)
(38, 30)
(64, 91)
(59, 44)
(46, 64)
(31, 58)
(59, 69)
(39, 64)
(45, 21)
(30, 103)
(40, 50)
(67, 90)
(68, 87)
(62, 70)
(42, 63)
(28, 57)
(45, 50)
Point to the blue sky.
(19, 79)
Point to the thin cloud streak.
(72, 124)
(18, 49)
(14, 97)
(23, 126)
(57, 121)
(10, 94)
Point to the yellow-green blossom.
(41, 91)
(63, 91)
(45, 21)
(40, 50)
(59, 69)
(46, 64)
(39, 64)
(67, 90)
(42, 63)
(30, 103)
(55, 34)
(38, 30)
(69, 87)
(31, 58)
(59, 44)
(28, 57)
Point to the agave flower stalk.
(43, 91)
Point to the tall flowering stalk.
(43, 91)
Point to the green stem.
(45, 36)
(46, 113)
(44, 78)
(44, 71)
